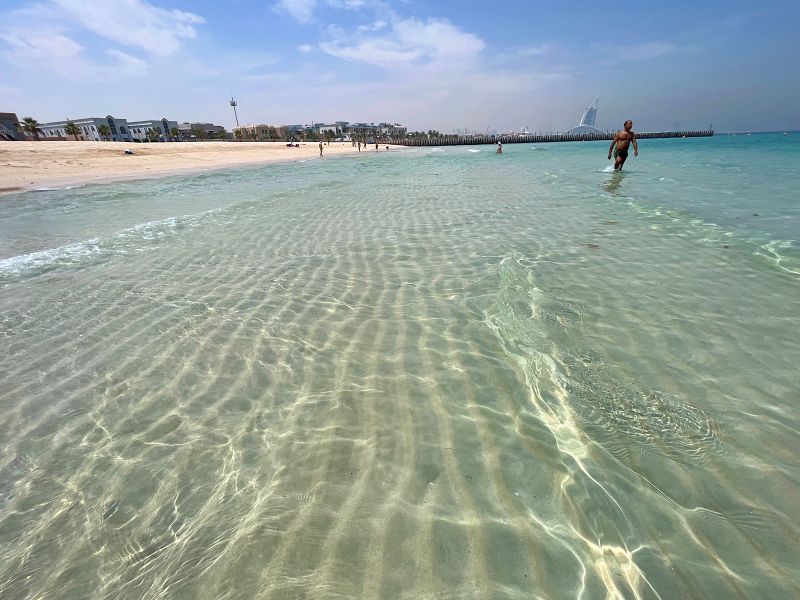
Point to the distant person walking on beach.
(499, 147)
(622, 139)
(359, 145)
(320, 148)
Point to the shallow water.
(432, 373)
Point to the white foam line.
(77, 251)
(32, 260)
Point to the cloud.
(303, 10)
(300, 10)
(533, 50)
(646, 51)
(46, 49)
(376, 26)
(41, 45)
(131, 65)
(432, 42)
(59, 42)
(135, 23)
(351, 4)
(305, 48)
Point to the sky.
(448, 65)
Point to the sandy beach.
(31, 165)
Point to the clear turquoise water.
(431, 373)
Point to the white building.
(587, 120)
(89, 129)
(139, 129)
(321, 128)
(393, 130)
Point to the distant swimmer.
(499, 147)
(622, 139)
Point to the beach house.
(139, 129)
(190, 131)
(9, 127)
(89, 129)
(262, 132)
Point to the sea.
(417, 373)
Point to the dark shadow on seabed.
(612, 185)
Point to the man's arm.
(611, 148)
(635, 145)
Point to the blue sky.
(431, 65)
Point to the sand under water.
(419, 374)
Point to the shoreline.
(38, 166)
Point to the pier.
(538, 138)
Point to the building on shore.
(393, 130)
(89, 129)
(325, 129)
(10, 127)
(262, 133)
(193, 131)
(164, 127)
(347, 130)
(587, 123)
(372, 130)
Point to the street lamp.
(234, 104)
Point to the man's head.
(628, 125)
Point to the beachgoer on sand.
(320, 148)
(622, 140)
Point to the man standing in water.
(622, 139)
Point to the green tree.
(153, 134)
(31, 125)
(175, 133)
(71, 129)
(237, 133)
(104, 131)
(199, 133)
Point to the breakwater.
(538, 138)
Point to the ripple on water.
(613, 408)
(620, 413)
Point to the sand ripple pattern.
(369, 378)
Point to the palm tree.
(237, 133)
(31, 125)
(71, 129)
(198, 133)
(153, 134)
(175, 133)
(104, 131)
